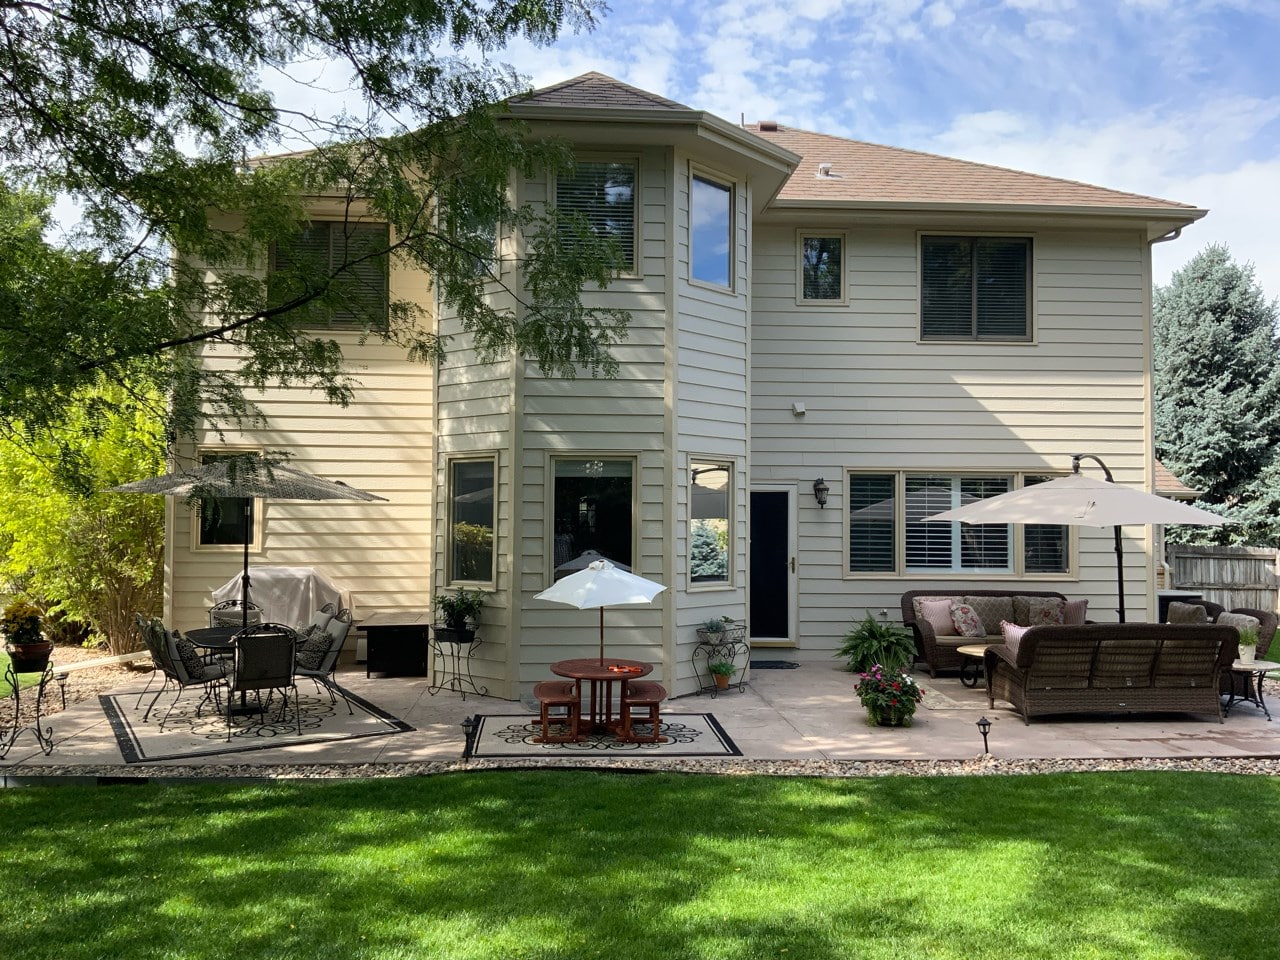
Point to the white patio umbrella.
(250, 477)
(601, 585)
(1079, 501)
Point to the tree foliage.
(144, 113)
(95, 557)
(1217, 395)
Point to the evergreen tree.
(707, 559)
(1217, 394)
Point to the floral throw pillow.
(966, 620)
(1044, 610)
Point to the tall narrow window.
(600, 196)
(711, 232)
(975, 288)
(472, 520)
(592, 514)
(222, 521)
(710, 497)
(872, 518)
(349, 259)
(1044, 545)
(822, 269)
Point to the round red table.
(602, 674)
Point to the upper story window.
(822, 268)
(888, 532)
(472, 520)
(351, 256)
(603, 194)
(711, 232)
(975, 288)
(225, 521)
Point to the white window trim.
(635, 270)
(899, 571)
(450, 580)
(550, 530)
(1033, 279)
(697, 172)
(712, 586)
(259, 510)
(843, 299)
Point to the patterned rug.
(688, 735)
(188, 733)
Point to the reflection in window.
(472, 520)
(592, 514)
(821, 263)
(710, 231)
(222, 520)
(601, 194)
(709, 522)
(1045, 544)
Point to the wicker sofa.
(939, 653)
(1237, 684)
(1112, 668)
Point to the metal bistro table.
(1254, 671)
(602, 674)
(221, 640)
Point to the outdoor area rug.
(689, 735)
(187, 735)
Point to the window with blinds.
(975, 288)
(888, 532)
(601, 195)
(822, 269)
(349, 258)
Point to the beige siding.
(382, 442)
(877, 398)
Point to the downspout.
(1166, 570)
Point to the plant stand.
(451, 664)
(44, 735)
(730, 644)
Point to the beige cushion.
(1241, 621)
(1075, 613)
(1044, 610)
(937, 613)
(992, 610)
(1187, 613)
(966, 620)
(1012, 634)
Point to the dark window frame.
(339, 238)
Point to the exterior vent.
(824, 172)
(769, 125)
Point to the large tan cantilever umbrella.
(1079, 501)
(246, 477)
(601, 585)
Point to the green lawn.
(568, 865)
(24, 679)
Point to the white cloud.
(1055, 31)
(939, 15)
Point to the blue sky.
(1172, 98)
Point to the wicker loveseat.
(1237, 684)
(939, 653)
(1112, 668)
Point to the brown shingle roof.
(870, 172)
(600, 91)
(1167, 485)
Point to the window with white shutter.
(975, 288)
(349, 258)
(602, 194)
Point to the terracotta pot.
(722, 681)
(29, 657)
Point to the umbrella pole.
(246, 524)
(602, 636)
(1119, 574)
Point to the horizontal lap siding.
(712, 413)
(623, 417)
(877, 398)
(381, 442)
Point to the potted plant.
(722, 670)
(1248, 644)
(872, 642)
(27, 648)
(714, 630)
(460, 611)
(889, 695)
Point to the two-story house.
(911, 330)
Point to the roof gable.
(595, 90)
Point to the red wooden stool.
(646, 694)
(559, 695)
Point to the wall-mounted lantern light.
(820, 491)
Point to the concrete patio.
(805, 714)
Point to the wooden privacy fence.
(1231, 576)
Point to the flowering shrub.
(20, 623)
(889, 695)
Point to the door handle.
(793, 564)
